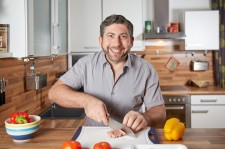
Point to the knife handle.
(1, 99)
(153, 136)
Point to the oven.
(177, 103)
(178, 106)
(75, 56)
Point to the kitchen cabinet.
(86, 16)
(13, 12)
(84, 21)
(47, 27)
(34, 26)
(133, 12)
(207, 111)
(202, 30)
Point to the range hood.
(161, 19)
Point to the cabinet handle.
(193, 45)
(208, 100)
(91, 47)
(175, 108)
(199, 111)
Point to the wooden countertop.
(53, 133)
(190, 90)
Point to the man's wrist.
(147, 118)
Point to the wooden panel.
(17, 97)
(183, 73)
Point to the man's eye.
(110, 36)
(124, 37)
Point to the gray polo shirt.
(137, 84)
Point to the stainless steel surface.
(199, 65)
(179, 106)
(57, 112)
(172, 88)
(75, 56)
(161, 19)
(37, 81)
(117, 125)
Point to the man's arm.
(63, 95)
(153, 117)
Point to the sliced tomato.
(71, 145)
(102, 145)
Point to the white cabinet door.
(133, 11)
(207, 116)
(207, 111)
(202, 30)
(85, 17)
(13, 12)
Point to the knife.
(117, 125)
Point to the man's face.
(116, 42)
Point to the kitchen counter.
(191, 90)
(53, 133)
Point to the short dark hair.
(116, 19)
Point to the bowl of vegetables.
(21, 126)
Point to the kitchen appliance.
(75, 56)
(117, 125)
(177, 104)
(199, 65)
(36, 81)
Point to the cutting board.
(88, 136)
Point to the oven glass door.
(177, 111)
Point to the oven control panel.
(185, 99)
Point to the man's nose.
(117, 41)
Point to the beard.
(115, 55)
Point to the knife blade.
(117, 125)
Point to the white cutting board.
(92, 135)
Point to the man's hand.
(135, 120)
(96, 110)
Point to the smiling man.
(116, 83)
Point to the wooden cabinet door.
(133, 11)
(85, 17)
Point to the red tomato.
(102, 145)
(71, 145)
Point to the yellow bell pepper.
(173, 129)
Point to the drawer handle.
(175, 108)
(208, 100)
(200, 111)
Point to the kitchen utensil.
(199, 65)
(117, 125)
(23, 132)
(172, 64)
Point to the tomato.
(71, 145)
(102, 145)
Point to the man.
(116, 83)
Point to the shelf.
(179, 35)
(5, 55)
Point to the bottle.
(148, 26)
